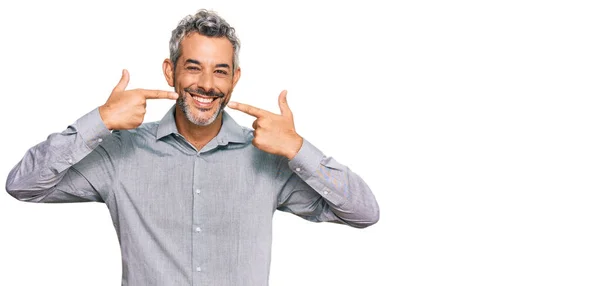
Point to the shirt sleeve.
(53, 171)
(322, 190)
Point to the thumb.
(123, 82)
(283, 105)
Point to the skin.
(125, 109)
(273, 133)
(205, 64)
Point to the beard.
(198, 115)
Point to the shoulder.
(143, 132)
(248, 133)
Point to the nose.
(206, 81)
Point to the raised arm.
(78, 164)
(52, 170)
(320, 188)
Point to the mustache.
(201, 91)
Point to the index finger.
(158, 94)
(248, 109)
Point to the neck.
(195, 134)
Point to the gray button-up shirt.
(185, 216)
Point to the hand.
(126, 109)
(273, 133)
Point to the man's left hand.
(273, 133)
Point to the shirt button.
(198, 269)
(198, 229)
(325, 192)
(70, 161)
(297, 169)
(100, 140)
(197, 191)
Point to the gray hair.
(206, 23)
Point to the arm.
(322, 190)
(78, 164)
(53, 171)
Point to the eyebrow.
(192, 61)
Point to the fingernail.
(175, 95)
(232, 104)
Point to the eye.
(223, 72)
(192, 68)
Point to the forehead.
(209, 50)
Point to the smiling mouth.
(203, 99)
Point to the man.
(192, 196)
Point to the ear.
(236, 77)
(168, 69)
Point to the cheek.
(183, 81)
(224, 86)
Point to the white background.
(475, 123)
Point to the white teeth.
(203, 100)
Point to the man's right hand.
(125, 109)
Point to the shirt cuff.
(307, 164)
(92, 129)
(307, 160)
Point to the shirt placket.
(199, 263)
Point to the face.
(203, 77)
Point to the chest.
(234, 189)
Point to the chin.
(204, 120)
(198, 116)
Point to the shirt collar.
(230, 131)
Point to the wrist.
(103, 110)
(295, 147)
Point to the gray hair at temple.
(206, 23)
